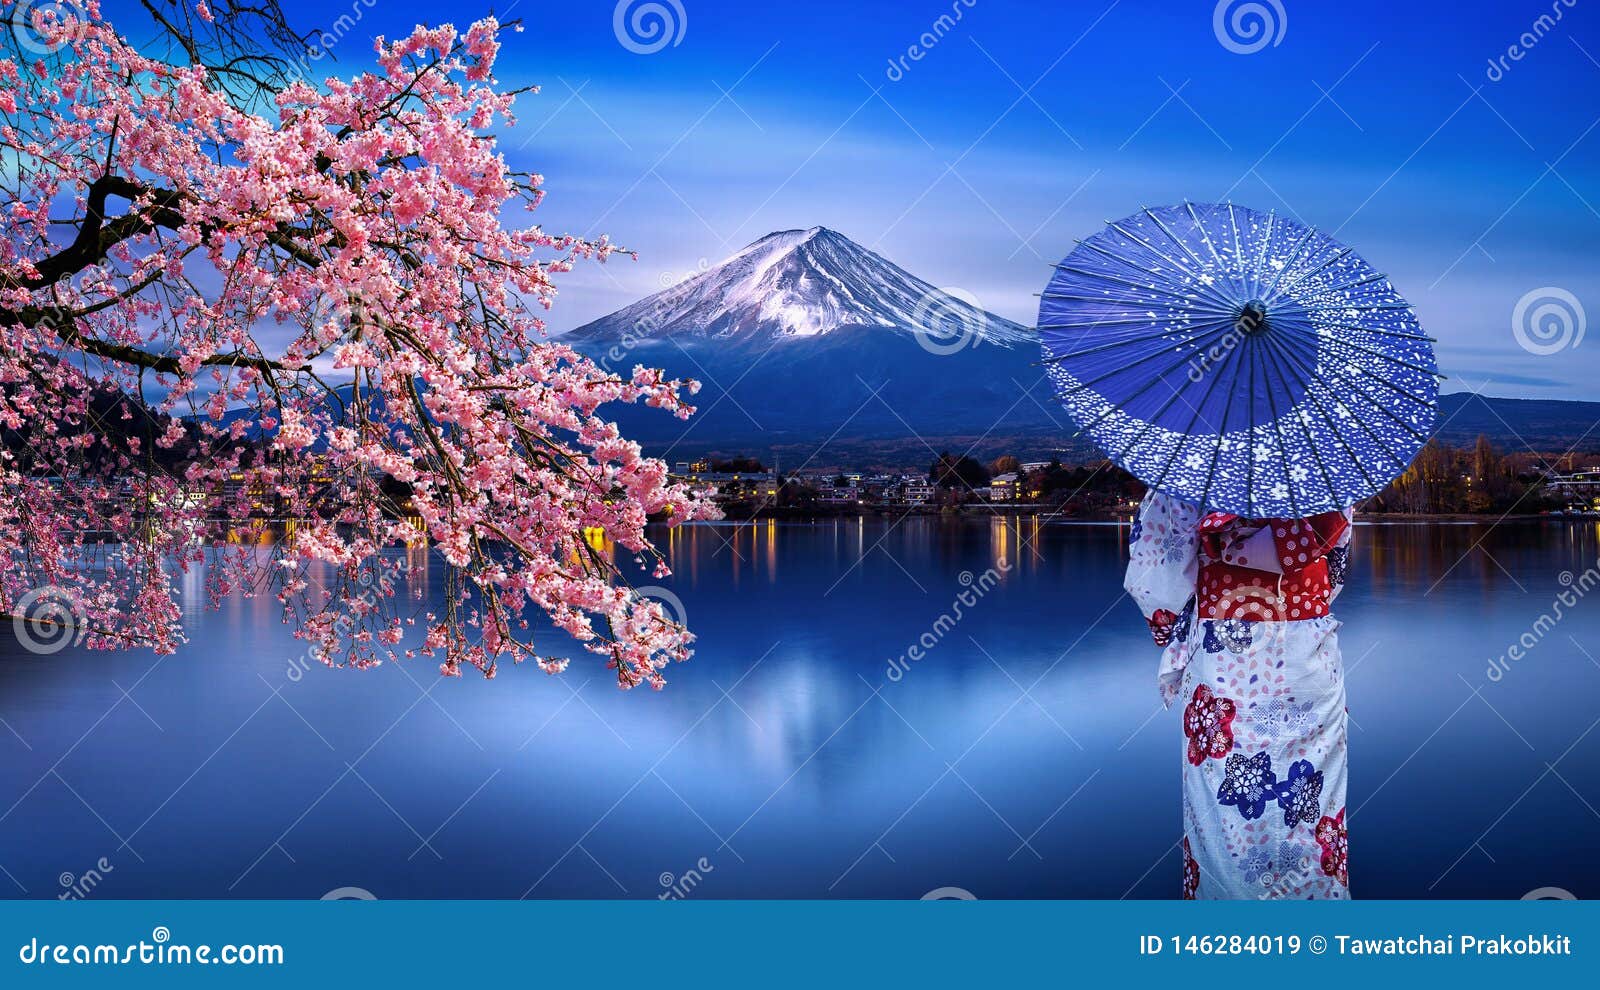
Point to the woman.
(1241, 606)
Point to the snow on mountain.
(805, 336)
(795, 284)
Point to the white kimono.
(1262, 684)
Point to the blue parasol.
(1238, 360)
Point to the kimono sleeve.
(1339, 557)
(1163, 559)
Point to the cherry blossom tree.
(230, 297)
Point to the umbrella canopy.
(1238, 360)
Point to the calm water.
(1025, 755)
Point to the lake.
(1020, 751)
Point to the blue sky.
(1025, 125)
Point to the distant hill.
(1519, 424)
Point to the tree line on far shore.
(1442, 479)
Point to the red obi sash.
(1265, 569)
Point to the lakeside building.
(824, 488)
(1581, 489)
(856, 489)
(731, 485)
(917, 492)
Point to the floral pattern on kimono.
(1335, 846)
(1254, 656)
(1207, 721)
(1191, 873)
(1248, 784)
(1300, 794)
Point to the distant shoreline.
(900, 511)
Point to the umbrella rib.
(1367, 307)
(1222, 432)
(1333, 340)
(1188, 430)
(1063, 266)
(1205, 236)
(1147, 303)
(1336, 256)
(1333, 429)
(1345, 342)
(1390, 413)
(1277, 428)
(1374, 277)
(1187, 328)
(1158, 253)
(1149, 424)
(1133, 364)
(1215, 297)
(1110, 408)
(1250, 418)
(1238, 240)
(1174, 237)
(1311, 443)
(1383, 330)
(1130, 235)
(1261, 258)
(1294, 253)
(1121, 321)
(1419, 400)
(1381, 407)
(1126, 400)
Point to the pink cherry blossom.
(217, 315)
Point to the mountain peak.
(797, 235)
(792, 284)
(783, 241)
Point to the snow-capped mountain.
(806, 336)
(798, 284)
